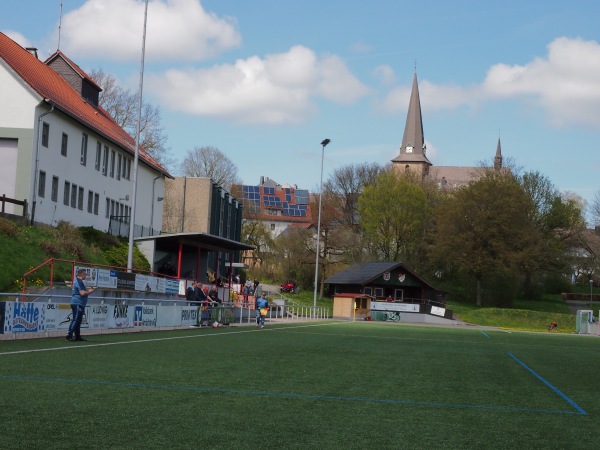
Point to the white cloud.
(19, 38)
(565, 84)
(176, 30)
(281, 88)
(385, 75)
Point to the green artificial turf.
(325, 385)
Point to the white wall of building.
(109, 183)
(18, 102)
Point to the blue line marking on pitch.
(555, 390)
(289, 395)
(484, 333)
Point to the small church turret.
(498, 157)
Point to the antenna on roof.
(59, 25)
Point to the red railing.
(52, 261)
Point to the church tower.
(412, 157)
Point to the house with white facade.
(63, 153)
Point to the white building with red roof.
(63, 153)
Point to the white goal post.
(584, 321)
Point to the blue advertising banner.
(22, 317)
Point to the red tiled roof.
(53, 87)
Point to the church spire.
(413, 149)
(498, 157)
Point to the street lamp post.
(137, 148)
(318, 250)
(591, 293)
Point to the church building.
(413, 151)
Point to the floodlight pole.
(137, 149)
(318, 249)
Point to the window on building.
(63, 144)
(90, 201)
(124, 174)
(107, 213)
(128, 177)
(272, 227)
(96, 203)
(361, 303)
(105, 161)
(54, 189)
(112, 208)
(42, 184)
(98, 155)
(80, 198)
(379, 292)
(119, 157)
(45, 134)
(67, 193)
(73, 196)
(84, 142)
(112, 163)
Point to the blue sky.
(266, 81)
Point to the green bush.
(70, 240)
(117, 256)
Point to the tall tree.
(210, 162)
(122, 105)
(484, 229)
(394, 215)
(348, 182)
(255, 233)
(559, 223)
(595, 209)
(337, 241)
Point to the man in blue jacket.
(79, 298)
(262, 306)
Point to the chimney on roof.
(32, 50)
(262, 180)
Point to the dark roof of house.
(363, 273)
(56, 91)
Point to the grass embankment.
(525, 315)
(23, 247)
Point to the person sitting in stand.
(189, 292)
(199, 295)
(389, 299)
(213, 295)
